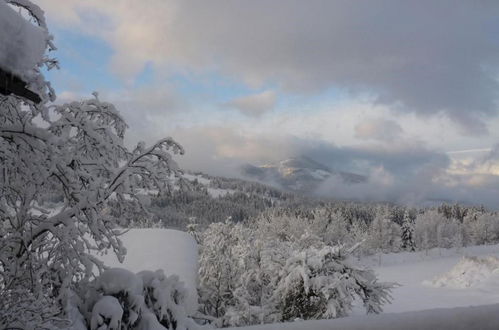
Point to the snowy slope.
(171, 250)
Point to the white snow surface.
(413, 271)
(114, 280)
(468, 272)
(22, 44)
(462, 318)
(173, 251)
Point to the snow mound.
(114, 280)
(468, 272)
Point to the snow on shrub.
(318, 283)
(166, 298)
(106, 314)
(120, 299)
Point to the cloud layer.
(255, 104)
(421, 56)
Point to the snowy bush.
(120, 299)
(319, 284)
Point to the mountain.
(301, 174)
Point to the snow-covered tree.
(331, 227)
(484, 230)
(219, 269)
(253, 276)
(76, 151)
(254, 288)
(320, 284)
(384, 234)
(407, 232)
(425, 229)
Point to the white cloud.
(254, 105)
(378, 129)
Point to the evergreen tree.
(407, 232)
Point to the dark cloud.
(402, 160)
(423, 56)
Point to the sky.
(404, 92)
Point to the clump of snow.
(468, 272)
(107, 311)
(120, 299)
(115, 280)
(22, 44)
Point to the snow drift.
(468, 272)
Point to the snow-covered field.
(416, 272)
(171, 250)
(463, 318)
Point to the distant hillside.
(205, 199)
(300, 175)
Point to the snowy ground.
(463, 318)
(171, 250)
(415, 271)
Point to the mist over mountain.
(300, 174)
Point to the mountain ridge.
(298, 174)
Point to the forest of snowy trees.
(255, 271)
